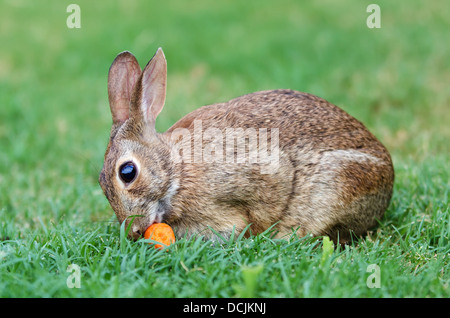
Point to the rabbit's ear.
(151, 91)
(122, 77)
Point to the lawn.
(55, 122)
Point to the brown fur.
(334, 177)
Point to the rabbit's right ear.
(150, 91)
(122, 77)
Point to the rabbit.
(331, 176)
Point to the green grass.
(55, 121)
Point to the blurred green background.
(54, 113)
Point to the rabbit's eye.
(127, 172)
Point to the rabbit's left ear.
(150, 92)
(122, 77)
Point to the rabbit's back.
(303, 121)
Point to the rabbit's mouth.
(154, 214)
(162, 209)
(157, 212)
(157, 215)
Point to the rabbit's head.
(137, 172)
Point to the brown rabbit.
(326, 173)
